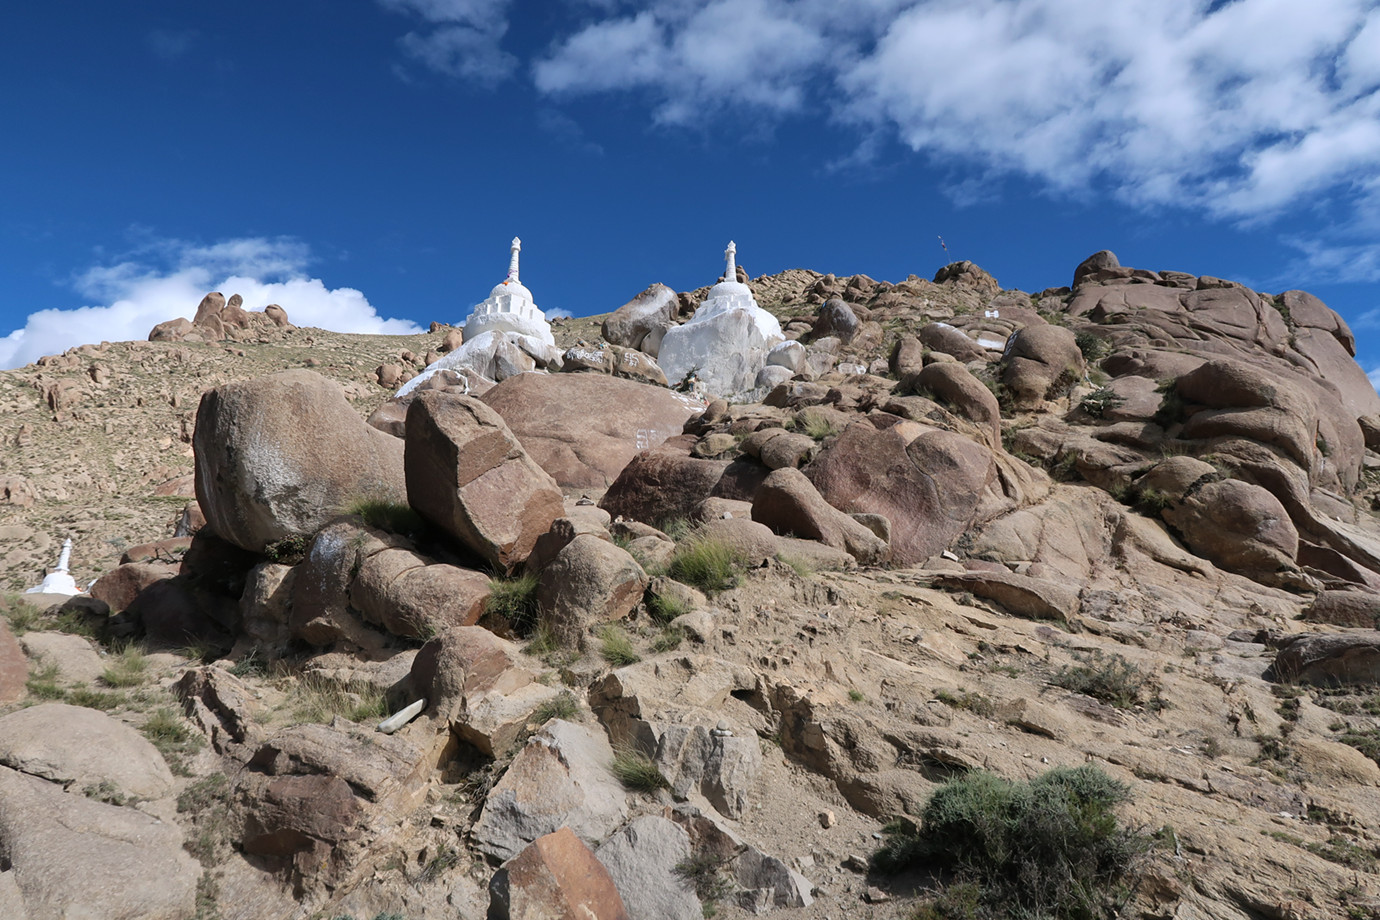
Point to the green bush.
(636, 771)
(706, 563)
(1093, 346)
(515, 600)
(1111, 679)
(1049, 849)
(617, 647)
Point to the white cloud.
(463, 40)
(1242, 108)
(165, 279)
(558, 313)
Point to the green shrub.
(562, 707)
(815, 425)
(1111, 679)
(1051, 848)
(515, 600)
(706, 563)
(1099, 401)
(666, 607)
(1093, 346)
(382, 514)
(636, 771)
(290, 550)
(616, 646)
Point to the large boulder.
(1237, 525)
(1352, 657)
(85, 748)
(836, 319)
(470, 476)
(930, 487)
(583, 429)
(589, 581)
(279, 456)
(411, 596)
(643, 860)
(667, 482)
(555, 877)
(76, 857)
(630, 323)
(940, 337)
(560, 779)
(789, 503)
(1036, 358)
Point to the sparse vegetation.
(290, 550)
(616, 646)
(22, 616)
(1099, 401)
(636, 771)
(1051, 848)
(975, 703)
(669, 639)
(515, 600)
(128, 668)
(563, 706)
(170, 734)
(1092, 345)
(312, 698)
(705, 874)
(94, 699)
(857, 696)
(665, 607)
(207, 802)
(1111, 679)
(43, 683)
(706, 563)
(797, 564)
(815, 425)
(382, 514)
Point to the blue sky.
(365, 162)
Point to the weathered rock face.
(630, 323)
(1036, 358)
(90, 750)
(560, 779)
(642, 859)
(75, 857)
(556, 877)
(788, 503)
(836, 319)
(411, 596)
(583, 429)
(668, 482)
(590, 581)
(940, 337)
(470, 476)
(1348, 658)
(1239, 526)
(929, 486)
(280, 455)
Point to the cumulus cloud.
(462, 38)
(1241, 108)
(165, 279)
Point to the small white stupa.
(59, 581)
(726, 342)
(510, 308)
(505, 335)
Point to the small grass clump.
(665, 607)
(705, 873)
(975, 703)
(207, 801)
(1111, 679)
(796, 564)
(814, 425)
(171, 736)
(616, 646)
(1051, 848)
(382, 514)
(128, 668)
(636, 771)
(316, 699)
(23, 617)
(88, 698)
(562, 707)
(668, 640)
(43, 683)
(706, 563)
(515, 600)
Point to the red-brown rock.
(790, 504)
(411, 596)
(555, 878)
(470, 476)
(667, 482)
(585, 428)
(120, 586)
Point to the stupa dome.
(510, 308)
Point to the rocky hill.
(672, 659)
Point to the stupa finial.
(513, 262)
(65, 559)
(729, 256)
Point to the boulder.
(278, 456)
(1024, 596)
(76, 857)
(75, 657)
(629, 324)
(14, 667)
(1036, 358)
(908, 355)
(320, 612)
(836, 319)
(211, 305)
(1238, 526)
(1359, 609)
(174, 330)
(559, 779)
(667, 482)
(470, 476)
(642, 859)
(90, 750)
(120, 586)
(940, 337)
(221, 705)
(930, 486)
(289, 814)
(1329, 659)
(589, 581)
(413, 597)
(1097, 262)
(789, 504)
(555, 877)
(278, 315)
(954, 385)
(584, 429)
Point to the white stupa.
(59, 581)
(510, 308)
(726, 342)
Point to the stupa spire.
(730, 255)
(513, 262)
(65, 559)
